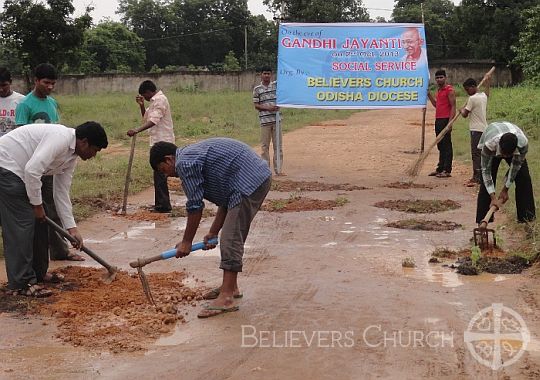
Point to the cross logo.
(497, 336)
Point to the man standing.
(39, 107)
(264, 100)
(158, 120)
(445, 109)
(229, 174)
(9, 100)
(476, 108)
(26, 155)
(504, 140)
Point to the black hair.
(45, 71)
(508, 143)
(265, 68)
(470, 82)
(440, 72)
(93, 132)
(146, 86)
(159, 151)
(5, 75)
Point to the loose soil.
(146, 216)
(174, 184)
(180, 212)
(290, 185)
(100, 202)
(114, 317)
(408, 185)
(419, 206)
(300, 204)
(424, 225)
(494, 265)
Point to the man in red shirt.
(445, 109)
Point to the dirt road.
(325, 294)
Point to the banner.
(352, 65)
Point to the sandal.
(53, 278)
(72, 256)
(211, 311)
(36, 291)
(214, 293)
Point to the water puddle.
(181, 335)
(449, 278)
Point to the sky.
(107, 8)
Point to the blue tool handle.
(168, 254)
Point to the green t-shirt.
(36, 110)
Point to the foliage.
(231, 63)
(528, 47)
(476, 254)
(40, 32)
(112, 47)
(319, 10)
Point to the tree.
(231, 62)
(43, 33)
(528, 48)
(319, 10)
(262, 42)
(438, 22)
(112, 47)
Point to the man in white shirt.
(9, 100)
(476, 110)
(157, 119)
(26, 154)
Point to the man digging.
(229, 174)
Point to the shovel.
(141, 262)
(481, 234)
(110, 276)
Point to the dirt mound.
(424, 225)
(419, 206)
(408, 185)
(446, 253)
(289, 185)
(295, 204)
(494, 265)
(147, 216)
(115, 317)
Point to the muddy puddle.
(114, 317)
(295, 204)
(419, 206)
(408, 185)
(494, 261)
(424, 225)
(286, 185)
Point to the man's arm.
(22, 115)
(452, 100)
(193, 220)
(61, 187)
(465, 111)
(217, 224)
(487, 84)
(140, 101)
(432, 99)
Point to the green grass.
(196, 116)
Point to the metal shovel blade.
(481, 238)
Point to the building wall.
(457, 72)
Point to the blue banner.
(352, 65)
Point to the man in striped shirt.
(229, 174)
(504, 140)
(264, 100)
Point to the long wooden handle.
(128, 174)
(489, 214)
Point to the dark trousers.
(161, 191)
(446, 153)
(524, 193)
(476, 156)
(27, 260)
(58, 248)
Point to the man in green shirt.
(39, 107)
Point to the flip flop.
(53, 278)
(212, 311)
(74, 257)
(214, 293)
(35, 291)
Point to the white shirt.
(8, 105)
(35, 150)
(477, 105)
(159, 113)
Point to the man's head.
(91, 138)
(163, 158)
(470, 86)
(44, 79)
(5, 82)
(147, 90)
(266, 74)
(508, 144)
(440, 77)
(412, 43)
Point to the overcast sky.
(107, 8)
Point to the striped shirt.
(266, 95)
(220, 170)
(489, 144)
